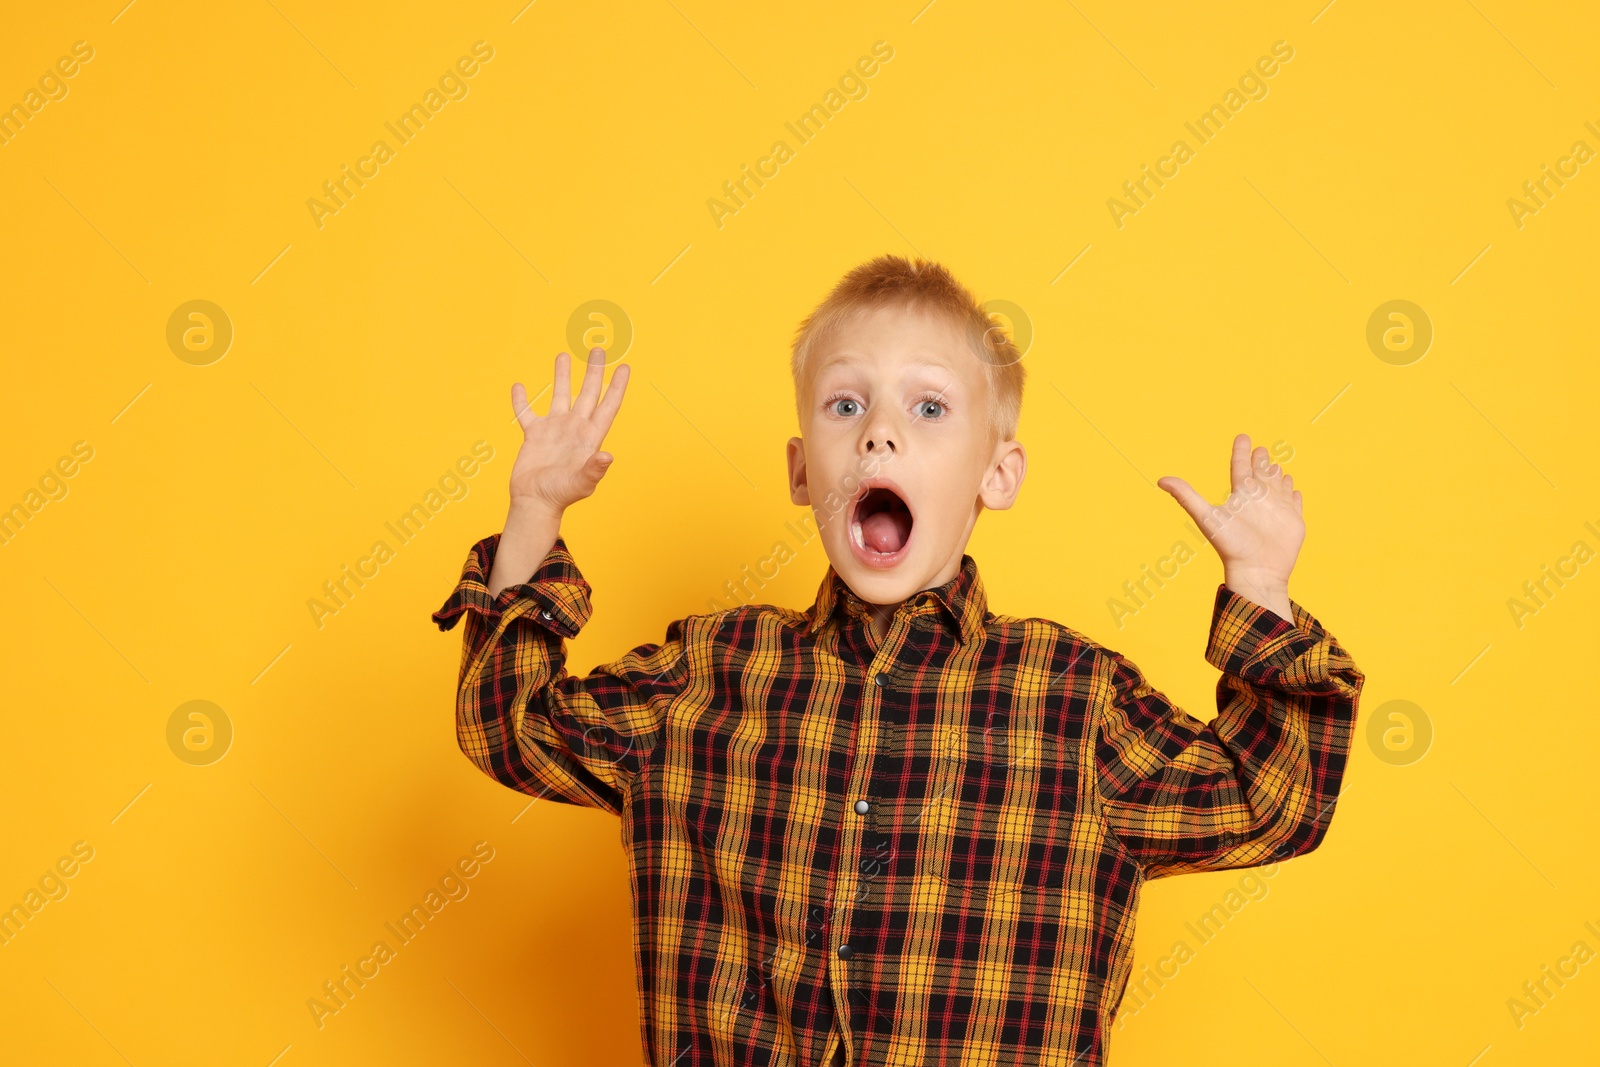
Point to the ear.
(1004, 480)
(799, 491)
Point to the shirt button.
(546, 614)
(845, 952)
(882, 679)
(861, 807)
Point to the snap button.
(882, 679)
(862, 807)
(845, 952)
(546, 614)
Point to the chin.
(875, 587)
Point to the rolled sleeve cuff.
(1256, 643)
(557, 596)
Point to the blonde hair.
(891, 280)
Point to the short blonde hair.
(891, 280)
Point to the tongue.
(886, 531)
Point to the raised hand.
(1257, 531)
(560, 461)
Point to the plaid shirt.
(928, 847)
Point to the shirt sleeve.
(521, 717)
(1259, 782)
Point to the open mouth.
(880, 526)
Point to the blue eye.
(932, 415)
(842, 400)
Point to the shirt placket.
(850, 958)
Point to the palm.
(1259, 528)
(560, 462)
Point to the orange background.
(371, 352)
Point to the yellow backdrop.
(270, 271)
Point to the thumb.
(598, 464)
(1197, 506)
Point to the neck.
(879, 618)
(880, 615)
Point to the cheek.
(943, 510)
(831, 488)
(951, 499)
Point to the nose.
(880, 432)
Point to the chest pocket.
(1000, 818)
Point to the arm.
(519, 715)
(521, 718)
(1259, 782)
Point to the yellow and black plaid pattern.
(926, 848)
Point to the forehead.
(899, 336)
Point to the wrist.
(531, 512)
(1270, 591)
(1266, 581)
(530, 532)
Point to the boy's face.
(897, 455)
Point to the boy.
(895, 828)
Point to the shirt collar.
(960, 603)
